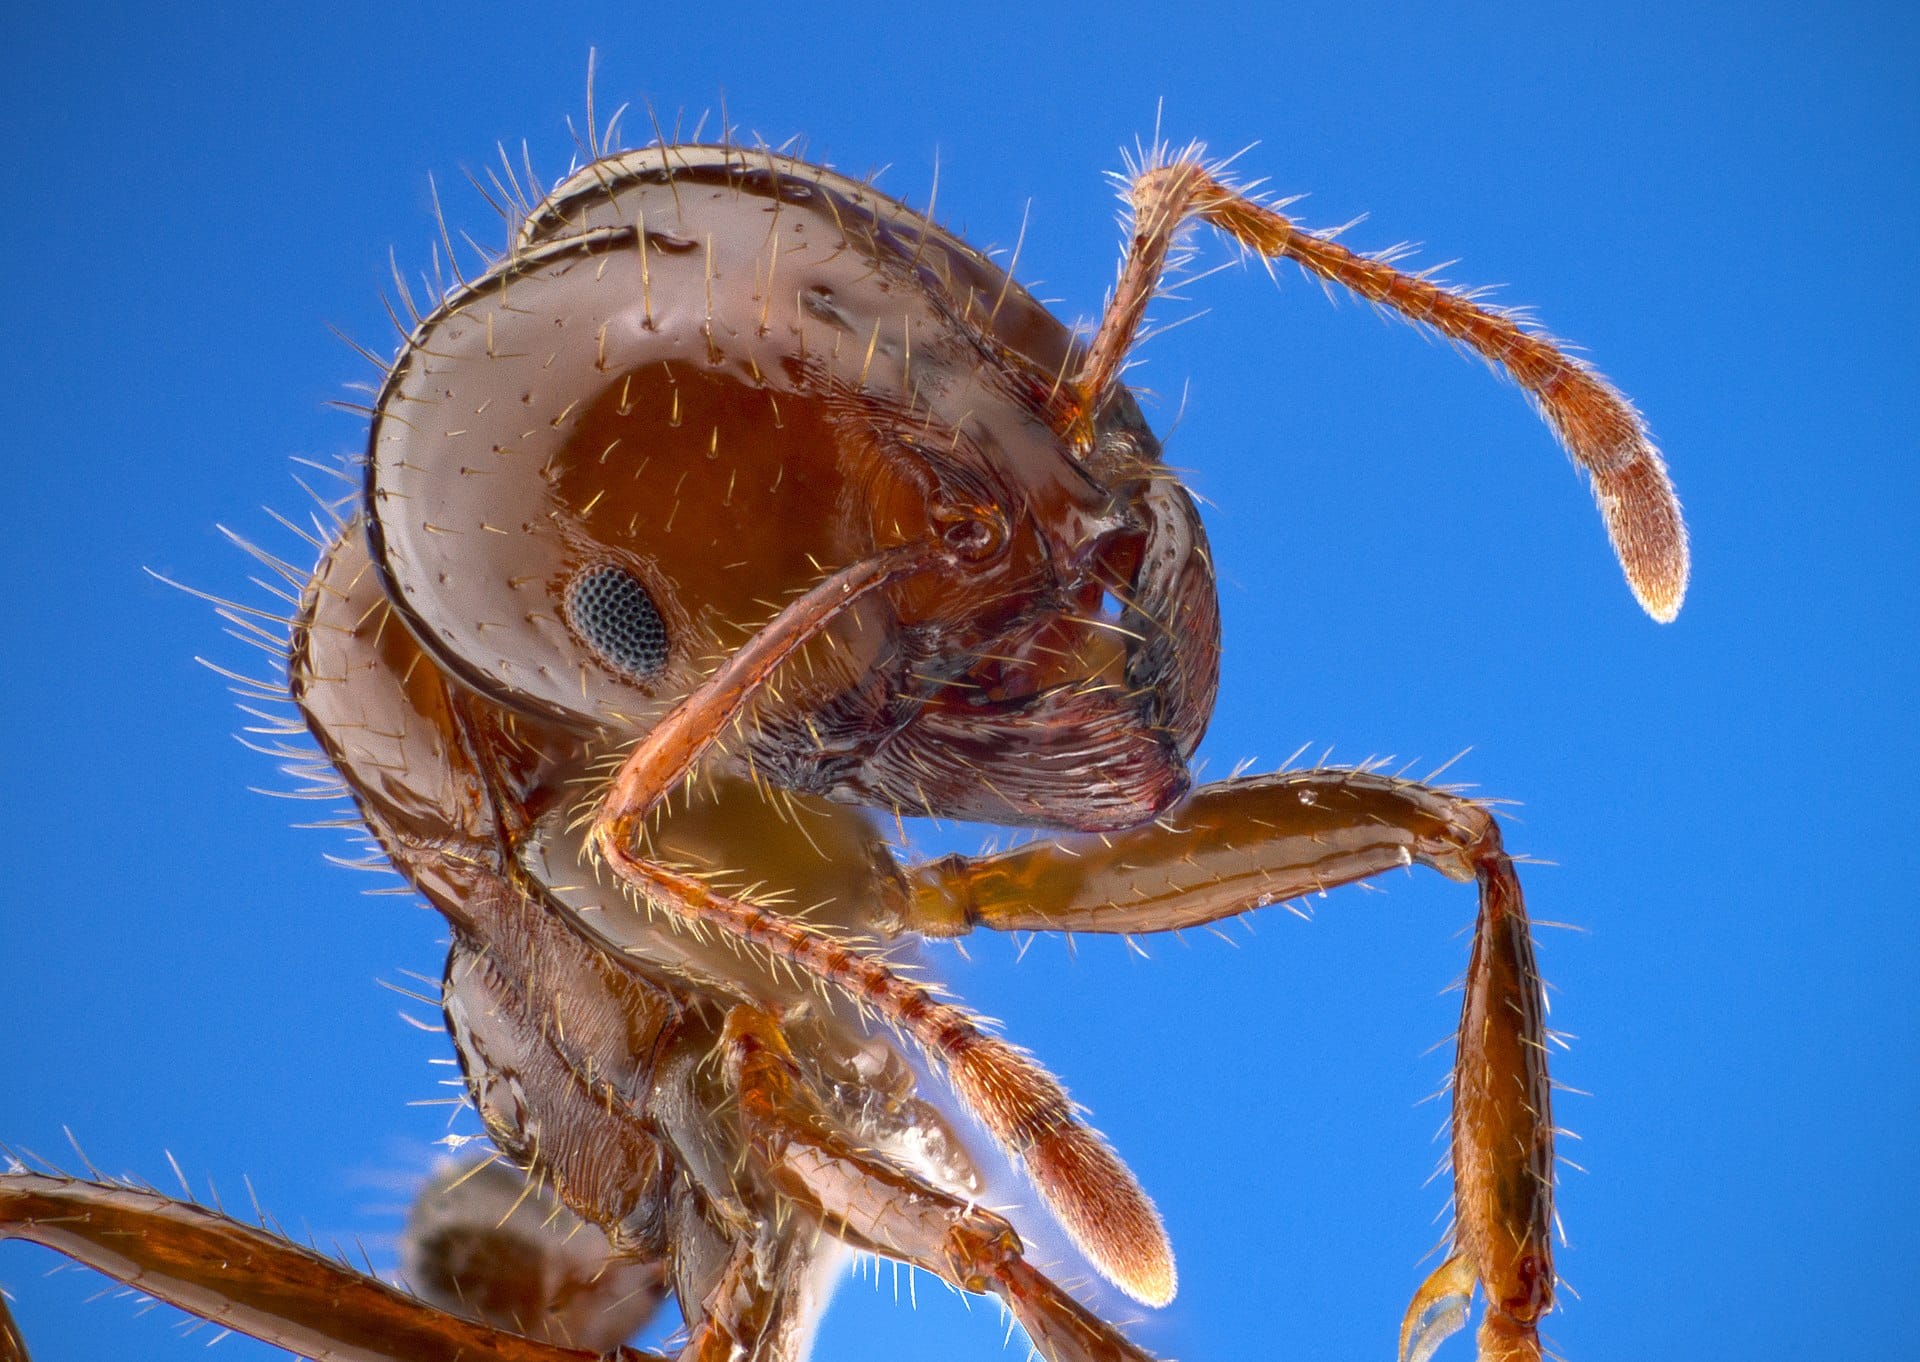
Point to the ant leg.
(247, 1279)
(1089, 1189)
(13, 1348)
(1226, 848)
(759, 1307)
(872, 1203)
(1241, 844)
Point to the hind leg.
(246, 1279)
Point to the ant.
(734, 505)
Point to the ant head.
(701, 379)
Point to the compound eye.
(611, 609)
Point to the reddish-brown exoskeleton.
(734, 503)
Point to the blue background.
(1717, 202)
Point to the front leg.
(1242, 844)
